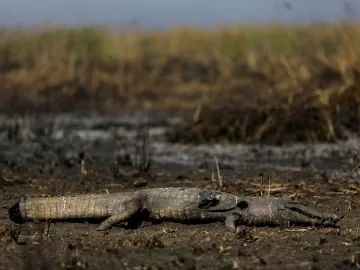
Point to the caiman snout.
(331, 220)
(299, 212)
(282, 211)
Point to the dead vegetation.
(268, 84)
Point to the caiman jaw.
(281, 211)
(296, 212)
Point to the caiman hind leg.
(128, 210)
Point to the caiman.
(173, 203)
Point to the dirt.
(42, 154)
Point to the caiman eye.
(243, 205)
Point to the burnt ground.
(43, 154)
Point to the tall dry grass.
(272, 67)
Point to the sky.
(166, 13)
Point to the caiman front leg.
(230, 222)
(127, 210)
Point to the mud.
(69, 154)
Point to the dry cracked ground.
(44, 154)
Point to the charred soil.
(40, 164)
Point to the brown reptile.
(177, 204)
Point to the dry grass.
(251, 84)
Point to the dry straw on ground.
(253, 84)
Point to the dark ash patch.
(15, 215)
(208, 199)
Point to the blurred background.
(163, 14)
(246, 71)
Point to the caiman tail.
(66, 207)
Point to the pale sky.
(164, 13)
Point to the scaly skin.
(178, 204)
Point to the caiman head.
(263, 210)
